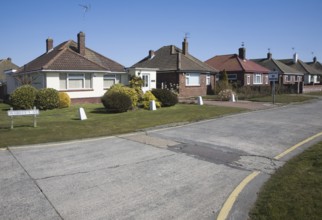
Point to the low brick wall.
(93, 100)
(311, 88)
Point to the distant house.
(170, 66)
(240, 70)
(73, 68)
(6, 65)
(311, 74)
(316, 65)
(288, 76)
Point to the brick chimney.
(269, 55)
(151, 54)
(49, 44)
(81, 43)
(242, 53)
(185, 46)
(295, 58)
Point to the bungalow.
(311, 74)
(289, 77)
(173, 68)
(316, 65)
(72, 68)
(240, 70)
(5, 66)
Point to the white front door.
(146, 82)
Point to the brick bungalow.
(177, 67)
(240, 70)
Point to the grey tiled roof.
(65, 57)
(171, 58)
(6, 64)
(273, 65)
(301, 66)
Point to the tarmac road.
(184, 172)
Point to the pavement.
(183, 172)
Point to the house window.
(146, 80)
(257, 78)
(192, 79)
(109, 80)
(287, 78)
(248, 79)
(75, 81)
(208, 79)
(299, 78)
(232, 77)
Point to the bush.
(226, 94)
(64, 100)
(166, 97)
(116, 102)
(47, 98)
(147, 97)
(23, 97)
(130, 92)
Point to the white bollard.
(200, 102)
(152, 105)
(82, 114)
(232, 99)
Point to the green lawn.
(63, 124)
(294, 191)
(284, 98)
(315, 93)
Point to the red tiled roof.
(233, 63)
(66, 57)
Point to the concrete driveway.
(182, 172)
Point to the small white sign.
(273, 76)
(23, 112)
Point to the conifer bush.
(116, 102)
(64, 100)
(23, 97)
(47, 98)
(166, 97)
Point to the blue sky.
(125, 30)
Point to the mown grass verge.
(284, 98)
(294, 191)
(64, 124)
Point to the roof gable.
(301, 66)
(65, 56)
(273, 65)
(171, 58)
(233, 63)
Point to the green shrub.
(130, 92)
(226, 94)
(23, 97)
(116, 102)
(166, 97)
(64, 100)
(47, 98)
(147, 97)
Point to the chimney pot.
(314, 60)
(9, 59)
(242, 53)
(185, 46)
(81, 43)
(49, 44)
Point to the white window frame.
(208, 82)
(192, 79)
(146, 80)
(75, 76)
(299, 78)
(257, 76)
(248, 79)
(109, 77)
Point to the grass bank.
(64, 124)
(284, 98)
(294, 191)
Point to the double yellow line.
(223, 214)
